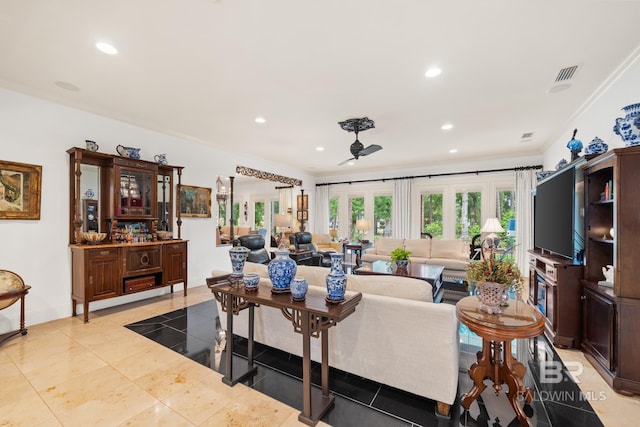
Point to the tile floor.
(69, 373)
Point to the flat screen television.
(558, 214)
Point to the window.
(333, 213)
(505, 206)
(258, 208)
(382, 216)
(275, 209)
(356, 211)
(222, 214)
(236, 213)
(468, 215)
(432, 214)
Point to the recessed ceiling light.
(453, 150)
(260, 120)
(433, 72)
(107, 48)
(351, 163)
(319, 148)
(446, 126)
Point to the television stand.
(555, 290)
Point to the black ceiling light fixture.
(357, 148)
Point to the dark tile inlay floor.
(192, 332)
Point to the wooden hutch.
(611, 315)
(130, 200)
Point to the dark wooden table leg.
(478, 372)
(512, 373)
(228, 377)
(314, 405)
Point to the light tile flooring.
(69, 373)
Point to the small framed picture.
(20, 185)
(299, 215)
(303, 202)
(305, 214)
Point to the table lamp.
(491, 226)
(363, 225)
(283, 221)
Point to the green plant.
(498, 270)
(400, 254)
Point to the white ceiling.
(204, 69)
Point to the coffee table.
(426, 272)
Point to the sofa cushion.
(451, 249)
(397, 287)
(420, 248)
(252, 267)
(385, 245)
(316, 276)
(367, 257)
(449, 264)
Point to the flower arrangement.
(497, 270)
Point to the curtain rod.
(476, 172)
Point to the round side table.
(518, 320)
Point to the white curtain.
(525, 183)
(321, 220)
(401, 209)
(284, 196)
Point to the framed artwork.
(305, 214)
(303, 202)
(299, 215)
(194, 202)
(20, 185)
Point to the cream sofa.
(397, 335)
(452, 254)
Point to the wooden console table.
(495, 362)
(311, 318)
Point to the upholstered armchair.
(302, 240)
(258, 253)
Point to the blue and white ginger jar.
(628, 127)
(336, 279)
(238, 255)
(281, 271)
(597, 146)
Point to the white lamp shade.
(362, 224)
(283, 220)
(492, 225)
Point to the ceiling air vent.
(527, 135)
(566, 73)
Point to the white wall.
(599, 115)
(39, 132)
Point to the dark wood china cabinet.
(132, 201)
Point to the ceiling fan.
(357, 148)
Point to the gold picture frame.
(194, 202)
(20, 186)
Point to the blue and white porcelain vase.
(628, 127)
(238, 255)
(336, 279)
(597, 146)
(299, 288)
(281, 271)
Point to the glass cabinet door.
(165, 200)
(136, 193)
